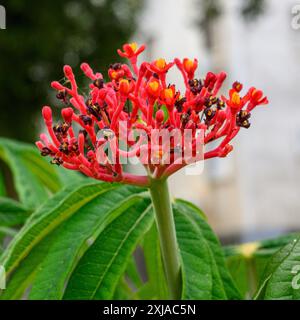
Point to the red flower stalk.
(141, 100)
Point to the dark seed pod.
(57, 161)
(195, 86)
(86, 120)
(220, 104)
(94, 109)
(74, 147)
(213, 99)
(46, 152)
(207, 103)
(98, 83)
(83, 132)
(61, 95)
(209, 114)
(184, 118)
(179, 104)
(115, 66)
(64, 148)
(89, 102)
(242, 119)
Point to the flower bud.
(124, 86)
(159, 116)
(68, 72)
(87, 70)
(47, 115)
(57, 86)
(67, 114)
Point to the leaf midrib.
(119, 248)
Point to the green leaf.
(156, 278)
(2, 186)
(48, 217)
(123, 291)
(68, 177)
(205, 275)
(7, 231)
(12, 213)
(281, 276)
(23, 276)
(34, 178)
(247, 261)
(29, 170)
(132, 273)
(74, 237)
(99, 270)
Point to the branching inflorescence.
(140, 98)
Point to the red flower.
(139, 99)
(160, 66)
(153, 88)
(256, 98)
(126, 86)
(190, 67)
(131, 50)
(168, 96)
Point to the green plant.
(76, 226)
(75, 237)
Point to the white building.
(256, 190)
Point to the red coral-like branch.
(141, 99)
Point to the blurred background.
(254, 193)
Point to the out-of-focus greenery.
(41, 37)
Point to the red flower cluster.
(141, 98)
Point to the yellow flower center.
(133, 46)
(114, 75)
(124, 82)
(168, 93)
(236, 99)
(188, 64)
(160, 63)
(154, 85)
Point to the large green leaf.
(281, 276)
(132, 273)
(30, 190)
(156, 287)
(34, 177)
(48, 217)
(123, 291)
(74, 237)
(23, 276)
(2, 186)
(204, 273)
(99, 270)
(247, 261)
(12, 213)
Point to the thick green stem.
(167, 235)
